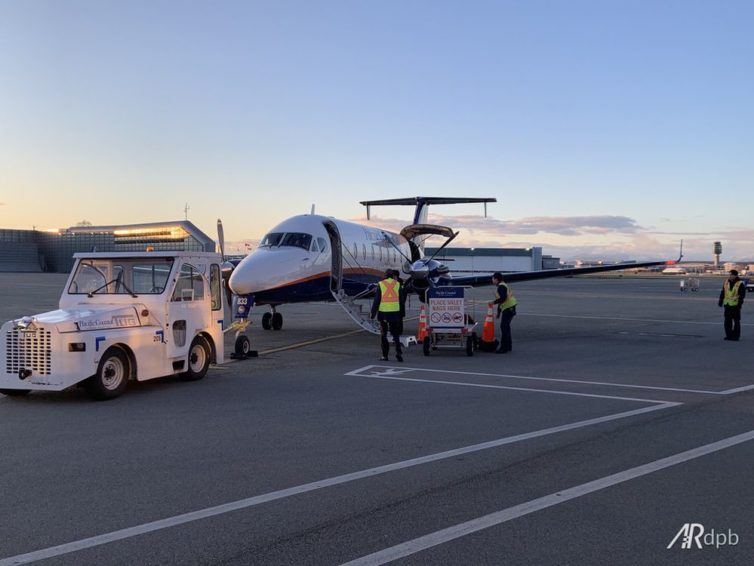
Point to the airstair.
(358, 311)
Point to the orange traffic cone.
(422, 332)
(488, 342)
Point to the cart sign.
(446, 307)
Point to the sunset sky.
(604, 128)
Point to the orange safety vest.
(389, 297)
(730, 296)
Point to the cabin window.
(355, 250)
(363, 251)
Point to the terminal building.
(36, 250)
(489, 260)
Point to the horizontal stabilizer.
(425, 200)
(422, 204)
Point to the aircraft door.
(336, 254)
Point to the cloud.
(559, 225)
(605, 237)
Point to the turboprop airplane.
(310, 258)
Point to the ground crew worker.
(732, 299)
(506, 310)
(389, 306)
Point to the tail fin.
(422, 204)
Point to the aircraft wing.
(512, 277)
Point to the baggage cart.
(448, 324)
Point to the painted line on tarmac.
(309, 342)
(625, 319)
(318, 340)
(555, 379)
(462, 529)
(184, 518)
(393, 376)
(737, 390)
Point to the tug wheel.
(112, 375)
(198, 360)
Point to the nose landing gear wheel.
(243, 346)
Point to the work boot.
(399, 357)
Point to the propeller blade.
(438, 250)
(221, 238)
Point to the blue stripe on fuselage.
(314, 290)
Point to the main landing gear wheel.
(267, 320)
(277, 321)
(198, 360)
(15, 392)
(112, 375)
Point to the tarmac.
(620, 423)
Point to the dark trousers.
(732, 322)
(506, 340)
(392, 322)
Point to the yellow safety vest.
(510, 300)
(730, 296)
(389, 295)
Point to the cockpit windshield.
(272, 239)
(297, 240)
(287, 239)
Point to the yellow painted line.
(309, 342)
(317, 340)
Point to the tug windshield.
(121, 276)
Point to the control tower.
(717, 250)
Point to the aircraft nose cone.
(244, 279)
(264, 270)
